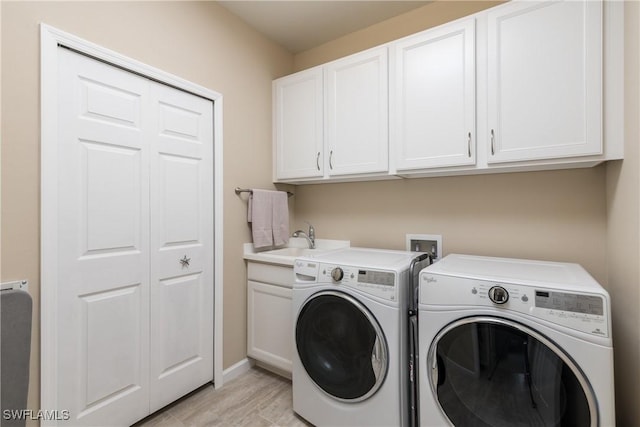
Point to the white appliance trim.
(50, 39)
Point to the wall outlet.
(431, 243)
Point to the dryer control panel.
(582, 311)
(380, 283)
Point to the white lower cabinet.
(269, 321)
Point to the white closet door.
(135, 260)
(103, 256)
(181, 244)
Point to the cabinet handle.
(493, 145)
(331, 160)
(469, 145)
(318, 161)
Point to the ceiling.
(298, 25)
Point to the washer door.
(341, 346)
(489, 371)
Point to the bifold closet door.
(181, 244)
(134, 328)
(103, 229)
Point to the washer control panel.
(375, 282)
(498, 294)
(582, 311)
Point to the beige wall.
(623, 232)
(542, 215)
(589, 216)
(431, 15)
(198, 41)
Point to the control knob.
(498, 295)
(337, 274)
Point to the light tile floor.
(256, 398)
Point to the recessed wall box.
(431, 243)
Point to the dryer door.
(341, 346)
(488, 371)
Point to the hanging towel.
(260, 215)
(280, 218)
(268, 213)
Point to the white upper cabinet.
(432, 98)
(298, 125)
(544, 80)
(523, 86)
(357, 140)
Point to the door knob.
(185, 261)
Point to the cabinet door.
(357, 113)
(270, 324)
(545, 80)
(298, 119)
(433, 98)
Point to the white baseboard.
(237, 369)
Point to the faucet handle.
(312, 231)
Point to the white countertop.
(297, 247)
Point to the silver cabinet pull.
(185, 261)
(331, 160)
(318, 161)
(469, 145)
(493, 143)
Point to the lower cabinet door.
(270, 324)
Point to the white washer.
(505, 342)
(351, 356)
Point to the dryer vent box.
(431, 243)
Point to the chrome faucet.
(310, 236)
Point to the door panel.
(108, 316)
(298, 118)
(111, 208)
(182, 244)
(179, 200)
(103, 257)
(181, 344)
(357, 114)
(114, 105)
(269, 320)
(494, 372)
(433, 98)
(341, 346)
(545, 80)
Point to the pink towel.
(260, 215)
(280, 218)
(268, 213)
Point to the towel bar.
(247, 190)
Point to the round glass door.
(341, 346)
(494, 372)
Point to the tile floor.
(257, 398)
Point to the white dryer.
(351, 356)
(505, 342)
